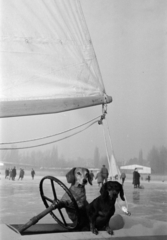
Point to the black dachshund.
(101, 209)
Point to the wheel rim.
(45, 199)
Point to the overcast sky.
(130, 41)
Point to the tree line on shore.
(156, 159)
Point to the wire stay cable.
(43, 144)
(105, 142)
(53, 135)
(123, 206)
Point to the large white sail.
(47, 62)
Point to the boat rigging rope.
(122, 205)
(105, 141)
(42, 144)
(109, 134)
(53, 135)
(104, 110)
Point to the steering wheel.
(72, 206)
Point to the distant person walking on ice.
(6, 172)
(21, 174)
(136, 179)
(104, 174)
(14, 173)
(99, 179)
(32, 173)
(123, 176)
(148, 178)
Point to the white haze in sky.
(130, 41)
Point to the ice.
(21, 200)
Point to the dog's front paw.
(109, 231)
(93, 230)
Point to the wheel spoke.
(46, 198)
(64, 221)
(53, 189)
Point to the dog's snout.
(85, 181)
(113, 194)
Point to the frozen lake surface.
(21, 200)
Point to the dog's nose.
(115, 193)
(85, 181)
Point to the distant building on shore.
(141, 169)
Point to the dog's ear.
(89, 178)
(70, 176)
(103, 191)
(122, 193)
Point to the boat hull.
(125, 228)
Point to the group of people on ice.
(103, 174)
(10, 173)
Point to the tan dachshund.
(78, 177)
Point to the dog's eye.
(78, 173)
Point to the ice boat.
(48, 65)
